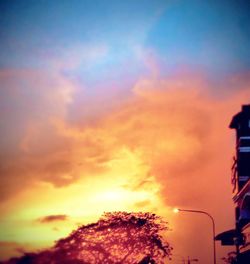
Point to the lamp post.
(176, 210)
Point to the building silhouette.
(240, 235)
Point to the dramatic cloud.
(169, 143)
(172, 125)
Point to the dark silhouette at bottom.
(118, 237)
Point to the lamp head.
(176, 210)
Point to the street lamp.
(176, 210)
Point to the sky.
(119, 106)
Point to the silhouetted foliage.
(231, 258)
(117, 237)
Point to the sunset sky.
(111, 105)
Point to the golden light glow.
(176, 210)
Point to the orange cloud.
(169, 144)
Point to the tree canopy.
(118, 237)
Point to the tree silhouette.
(118, 237)
(231, 258)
